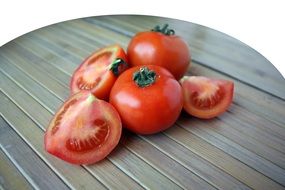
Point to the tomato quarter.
(99, 72)
(206, 98)
(160, 47)
(148, 99)
(84, 130)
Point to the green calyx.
(164, 30)
(144, 77)
(115, 66)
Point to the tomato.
(84, 130)
(148, 99)
(160, 47)
(206, 98)
(99, 71)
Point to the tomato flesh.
(95, 73)
(206, 98)
(84, 130)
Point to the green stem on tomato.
(164, 30)
(115, 66)
(144, 77)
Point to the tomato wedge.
(99, 71)
(206, 98)
(84, 130)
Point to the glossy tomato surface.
(205, 97)
(155, 48)
(84, 130)
(147, 109)
(99, 71)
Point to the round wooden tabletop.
(242, 149)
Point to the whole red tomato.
(160, 47)
(148, 99)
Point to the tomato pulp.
(148, 99)
(84, 130)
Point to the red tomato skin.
(189, 88)
(155, 48)
(102, 91)
(150, 109)
(57, 147)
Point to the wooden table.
(242, 149)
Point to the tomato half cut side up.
(205, 97)
(99, 71)
(84, 130)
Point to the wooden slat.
(33, 168)
(222, 58)
(10, 176)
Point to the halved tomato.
(98, 72)
(206, 98)
(84, 130)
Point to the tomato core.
(95, 139)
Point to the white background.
(259, 24)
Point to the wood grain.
(10, 176)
